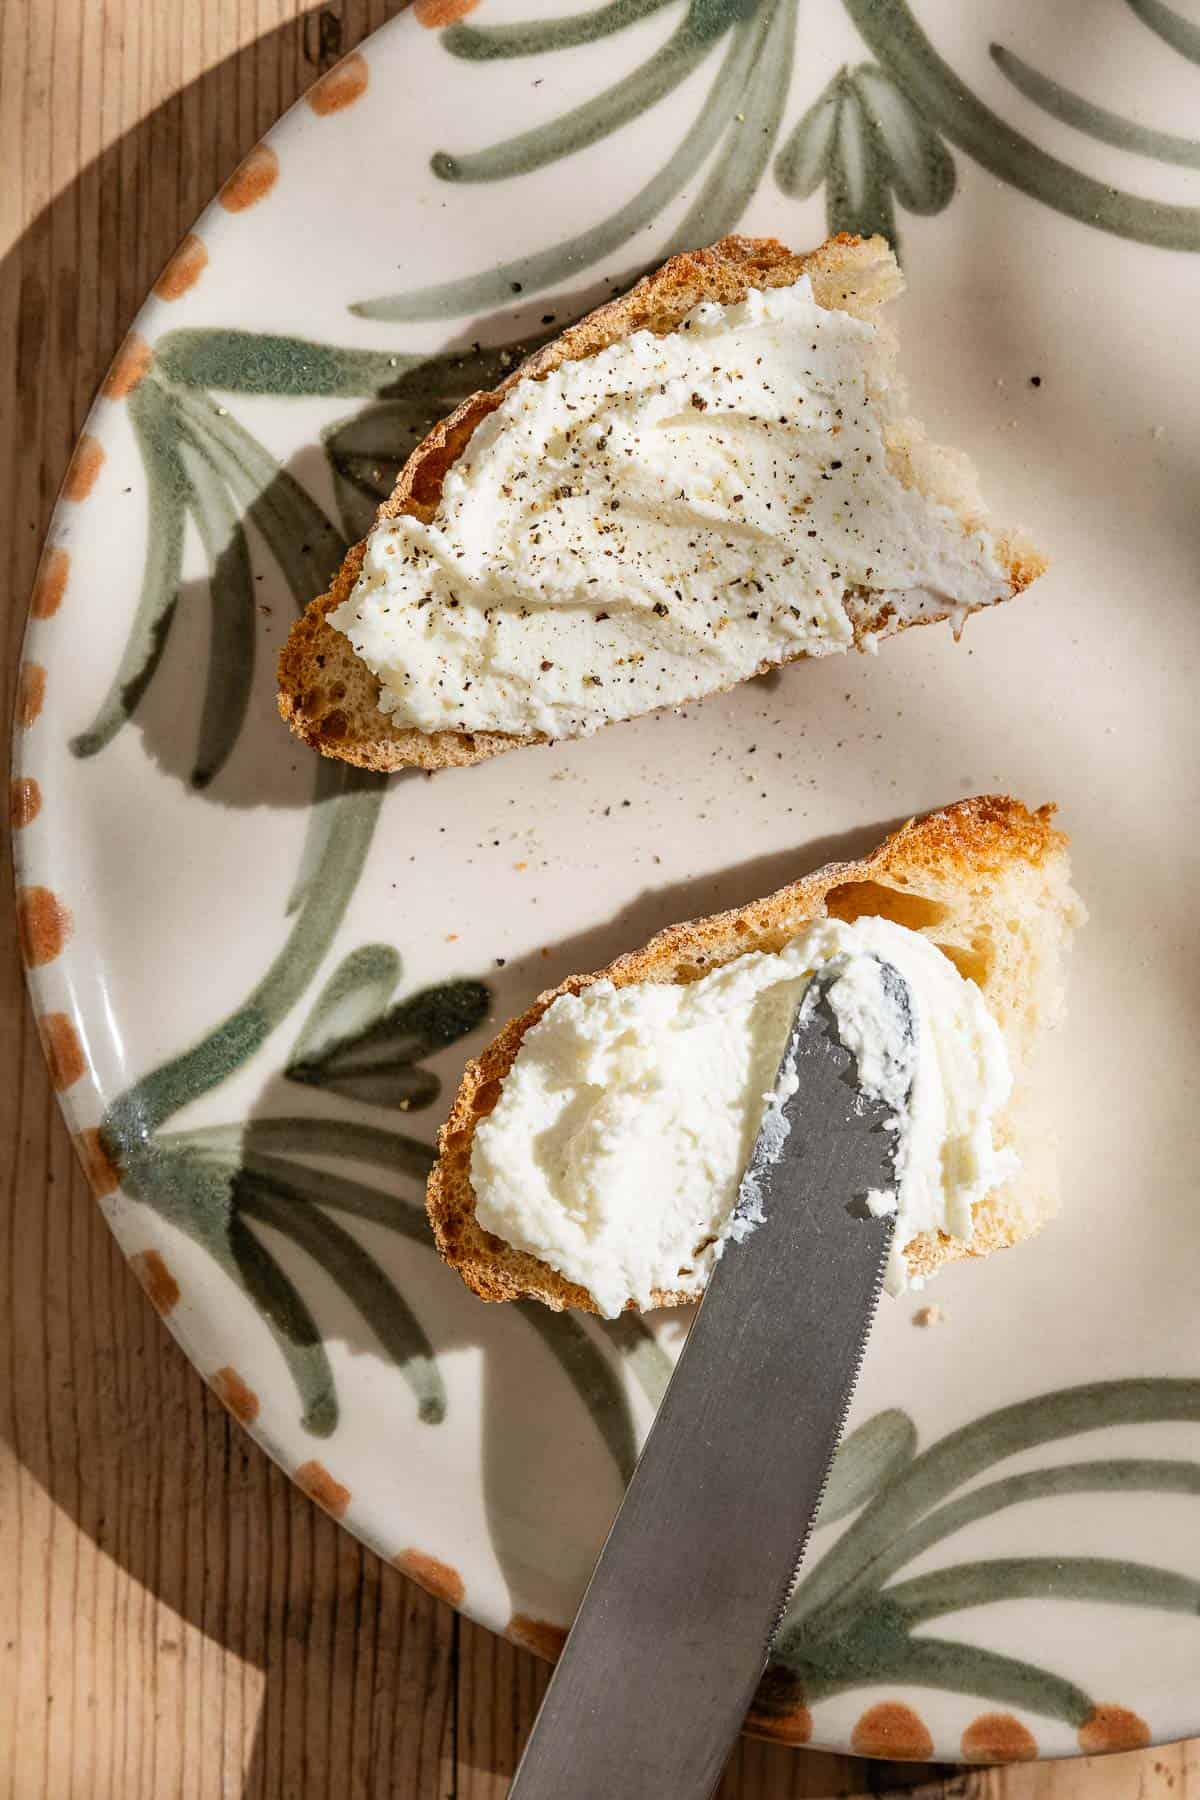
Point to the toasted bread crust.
(963, 853)
(328, 695)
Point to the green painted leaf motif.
(593, 1376)
(232, 642)
(368, 1073)
(168, 494)
(347, 1138)
(1147, 1475)
(354, 811)
(881, 1651)
(277, 1140)
(845, 1628)
(1096, 121)
(533, 36)
(834, 1587)
(352, 1000)
(213, 1182)
(136, 1115)
(224, 464)
(191, 1183)
(801, 164)
(921, 168)
(1170, 26)
(281, 1304)
(565, 260)
(902, 49)
(323, 819)
(1096, 1578)
(858, 195)
(738, 167)
(360, 1278)
(129, 1126)
(352, 1046)
(606, 113)
(260, 362)
(866, 1463)
(708, 19)
(299, 1182)
(304, 543)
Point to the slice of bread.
(329, 696)
(986, 880)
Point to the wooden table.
(175, 1619)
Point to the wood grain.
(175, 1618)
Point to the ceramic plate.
(258, 975)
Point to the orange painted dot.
(316, 1481)
(162, 1289)
(436, 1577)
(83, 468)
(538, 1635)
(99, 1167)
(793, 1727)
(184, 269)
(1112, 1728)
(893, 1730)
(345, 83)
(31, 692)
(127, 367)
(997, 1738)
(233, 1393)
(251, 181)
(50, 583)
(65, 1056)
(24, 802)
(779, 1711)
(43, 925)
(436, 13)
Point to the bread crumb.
(929, 1315)
(452, 937)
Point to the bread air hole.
(974, 963)
(485, 1098)
(873, 899)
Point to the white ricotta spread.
(656, 522)
(618, 1145)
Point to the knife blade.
(676, 1624)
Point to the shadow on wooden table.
(258, 1648)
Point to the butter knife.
(676, 1624)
